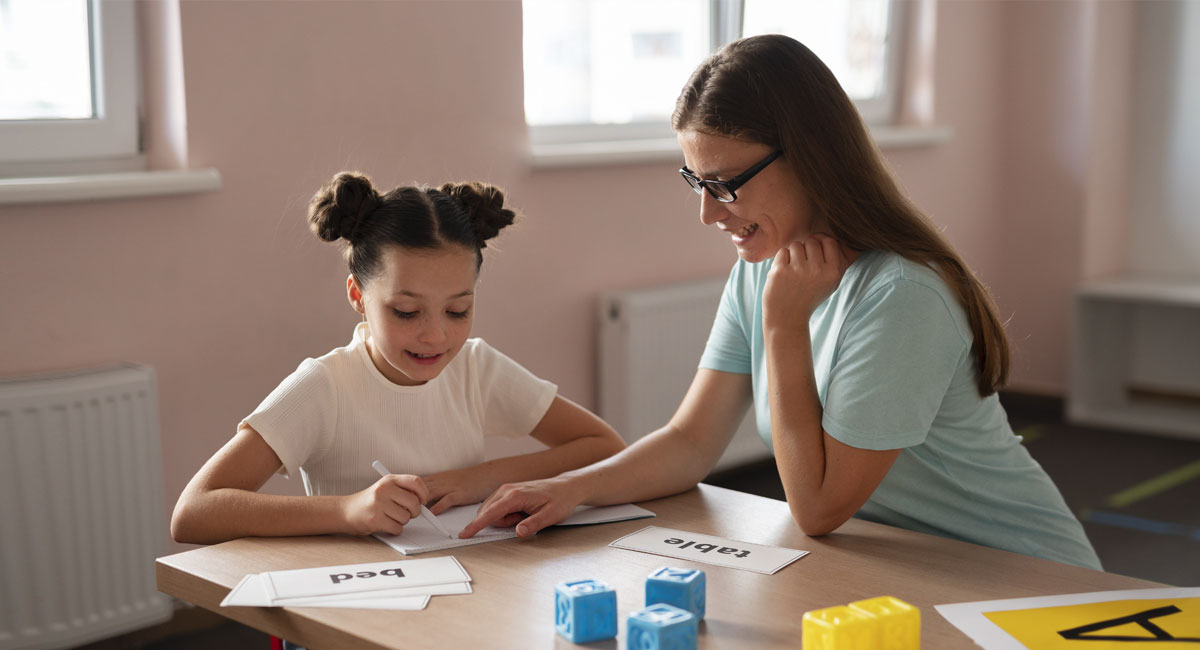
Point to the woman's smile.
(743, 234)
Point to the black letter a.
(1141, 618)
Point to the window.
(604, 70)
(853, 37)
(69, 73)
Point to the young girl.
(410, 389)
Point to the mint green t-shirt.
(894, 370)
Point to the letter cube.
(838, 628)
(661, 627)
(898, 623)
(683, 588)
(585, 610)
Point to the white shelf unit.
(1135, 361)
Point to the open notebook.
(421, 537)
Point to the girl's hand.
(530, 506)
(458, 487)
(803, 275)
(385, 506)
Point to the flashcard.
(730, 553)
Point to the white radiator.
(81, 507)
(650, 345)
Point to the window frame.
(114, 134)
(583, 140)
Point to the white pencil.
(425, 513)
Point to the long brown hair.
(773, 90)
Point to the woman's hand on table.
(530, 506)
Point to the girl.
(410, 389)
(869, 351)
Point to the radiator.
(81, 507)
(650, 345)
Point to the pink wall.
(225, 293)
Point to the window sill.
(619, 152)
(124, 185)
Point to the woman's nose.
(711, 210)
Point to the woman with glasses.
(869, 351)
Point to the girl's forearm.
(223, 514)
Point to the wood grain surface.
(513, 601)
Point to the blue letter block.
(661, 627)
(683, 588)
(585, 610)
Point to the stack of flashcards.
(402, 584)
(421, 536)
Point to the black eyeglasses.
(726, 191)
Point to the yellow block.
(839, 628)
(898, 623)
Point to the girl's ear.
(354, 294)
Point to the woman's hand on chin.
(802, 277)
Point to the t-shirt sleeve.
(297, 419)
(901, 348)
(513, 399)
(728, 346)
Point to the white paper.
(403, 603)
(249, 592)
(730, 553)
(420, 537)
(252, 592)
(449, 589)
(587, 515)
(360, 578)
(969, 617)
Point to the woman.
(870, 352)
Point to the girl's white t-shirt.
(336, 414)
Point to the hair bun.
(338, 208)
(484, 204)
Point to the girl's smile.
(424, 359)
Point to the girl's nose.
(432, 332)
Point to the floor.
(1137, 495)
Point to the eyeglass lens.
(718, 190)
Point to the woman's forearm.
(796, 431)
(550, 462)
(677, 456)
(667, 461)
(663, 462)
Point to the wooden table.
(513, 580)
